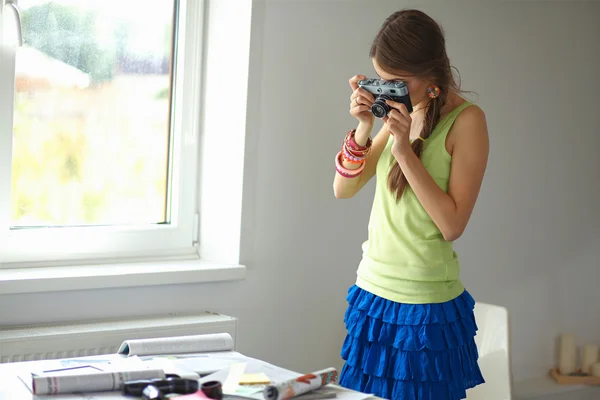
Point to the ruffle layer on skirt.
(410, 351)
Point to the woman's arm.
(451, 212)
(343, 187)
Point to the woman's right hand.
(360, 107)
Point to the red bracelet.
(352, 143)
(358, 154)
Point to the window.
(99, 140)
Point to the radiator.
(53, 341)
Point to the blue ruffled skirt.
(410, 351)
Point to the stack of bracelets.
(352, 153)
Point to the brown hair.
(412, 42)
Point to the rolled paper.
(303, 384)
(567, 356)
(596, 369)
(589, 357)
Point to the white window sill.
(53, 279)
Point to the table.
(13, 388)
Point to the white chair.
(494, 353)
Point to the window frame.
(227, 51)
(90, 245)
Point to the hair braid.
(396, 179)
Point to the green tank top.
(406, 258)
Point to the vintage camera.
(386, 90)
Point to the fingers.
(399, 116)
(394, 117)
(400, 107)
(362, 93)
(359, 109)
(358, 105)
(360, 100)
(398, 124)
(354, 81)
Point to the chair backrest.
(494, 353)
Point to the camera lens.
(379, 108)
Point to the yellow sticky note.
(255, 379)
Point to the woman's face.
(417, 88)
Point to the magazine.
(87, 378)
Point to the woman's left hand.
(399, 122)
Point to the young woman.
(410, 321)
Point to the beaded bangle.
(351, 158)
(345, 172)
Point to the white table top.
(13, 388)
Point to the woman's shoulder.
(467, 108)
(470, 113)
(469, 123)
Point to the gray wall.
(532, 245)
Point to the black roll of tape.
(213, 389)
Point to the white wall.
(532, 246)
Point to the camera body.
(386, 90)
